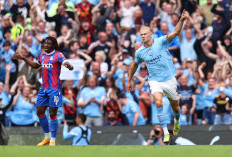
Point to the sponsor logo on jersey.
(49, 65)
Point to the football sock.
(44, 123)
(163, 118)
(177, 114)
(53, 126)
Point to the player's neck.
(51, 52)
(148, 43)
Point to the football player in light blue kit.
(161, 72)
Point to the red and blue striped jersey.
(51, 66)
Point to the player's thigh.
(55, 98)
(155, 87)
(158, 97)
(42, 99)
(170, 90)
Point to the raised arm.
(7, 79)
(205, 49)
(159, 10)
(133, 69)
(10, 3)
(88, 59)
(222, 49)
(31, 63)
(178, 27)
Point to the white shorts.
(169, 88)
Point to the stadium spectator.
(63, 14)
(206, 11)
(20, 8)
(221, 102)
(111, 119)
(112, 105)
(91, 99)
(209, 93)
(185, 115)
(24, 113)
(55, 7)
(110, 86)
(81, 134)
(148, 8)
(186, 46)
(156, 136)
(187, 94)
(131, 110)
(222, 23)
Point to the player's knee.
(159, 104)
(40, 112)
(53, 114)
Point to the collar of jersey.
(50, 52)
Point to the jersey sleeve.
(164, 40)
(134, 108)
(138, 58)
(61, 58)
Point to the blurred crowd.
(105, 35)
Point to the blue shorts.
(49, 97)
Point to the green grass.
(116, 151)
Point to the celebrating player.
(50, 94)
(161, 72)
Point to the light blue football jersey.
(158, 60)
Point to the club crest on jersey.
(51, 58)
(49, 65)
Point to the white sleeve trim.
(64, 61)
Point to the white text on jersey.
(49, 65)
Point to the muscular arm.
(178, 27)
(29, 62)
(176, 31)
(133, 69)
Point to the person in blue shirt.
(185, 116)
(209, 93)
(7, 54)
(91, 100)
(161, 72)
(24, 113)
(81, 134)
(4, 95)
(118, 76)
(131, 110)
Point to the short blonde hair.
(101, 54)
(144, 27)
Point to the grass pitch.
(117, 151)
